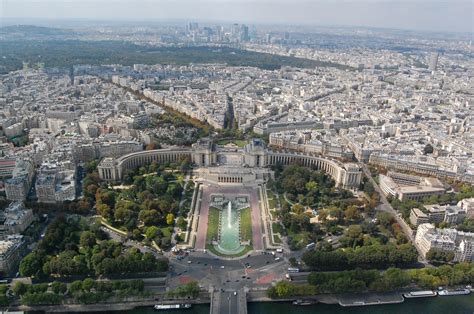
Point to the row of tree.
(360, 280)
(369, 256)
(86, 291)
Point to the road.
(233, 275)
(387, 207)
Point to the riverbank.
(254, 296)
(100, 307)
(345, 300)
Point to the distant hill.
(33, 32)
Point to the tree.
(351, 213)
(165, 242)
(384, 219)
(322, 216)
(87, 239)
(311, 186)
(59, 287)
(428, 149)
(75, 287)
(149, 217)
(151, 232)
(170, 219)
(283, 289)
(354, 231)
(31, 265)
(19, 288)
(181, 222)
(104, 210)
(88, 284)
(439, 255)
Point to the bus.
(293, 270)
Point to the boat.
(454, 292)
(160, 307)
(303, 302)
(420, 294)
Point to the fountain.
(229, 209)
(228, 241)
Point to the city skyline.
(420, 15)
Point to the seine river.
(436, 305)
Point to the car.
(237, 280)
(277, 259)
(243, 277)
(189, 262)
(227, 280)
(235, 292)
(222, 267)
(205, 264)
(267, 262)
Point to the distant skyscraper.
(433, 61)
(268, 38)
(234, 31)
(193, 26)
(244, 33)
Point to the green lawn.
(277, 228)
(213, 224)
(245, 225)
(272, 203)
(270, 194)
(239, 143)
(276, 239)
(166, 231)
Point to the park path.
(201, 233)
(257, 238)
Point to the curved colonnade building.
(232, 165)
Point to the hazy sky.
(435, 15)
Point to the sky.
(426, 15)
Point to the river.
(436, 305)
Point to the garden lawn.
(213, 224)
(245, 225)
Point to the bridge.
(229, 301)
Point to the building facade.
(450, 240)
(254, 155)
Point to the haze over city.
(426, 15)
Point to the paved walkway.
(201, 233)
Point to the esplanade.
(229, 164)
